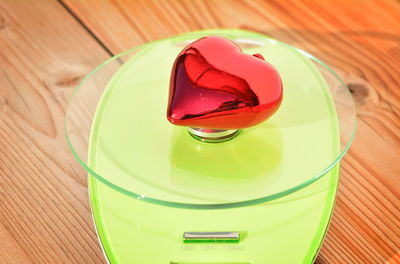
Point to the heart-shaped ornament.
(215, 85)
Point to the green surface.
(286, 230)
(135, 148)
(243, 185)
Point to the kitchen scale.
(160, 195)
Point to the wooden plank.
(360, 39)
(10, 251)
(44, 210)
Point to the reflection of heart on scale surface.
(225, 168)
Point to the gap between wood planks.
(87, 29)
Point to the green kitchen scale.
(161, 196)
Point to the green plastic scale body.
(183, 185)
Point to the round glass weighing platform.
(160, 196)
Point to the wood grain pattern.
(47, 46)
(44, 212)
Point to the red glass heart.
(215, 85)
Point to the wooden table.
(48, 46)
